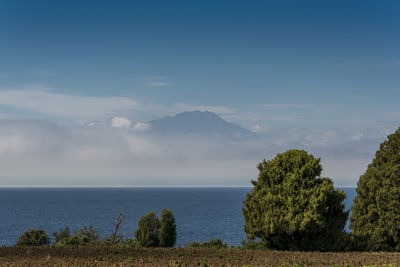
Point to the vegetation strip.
(117, 256)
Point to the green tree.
(33, 238)
(167, 233)
(88, 233)
(375, 219)
(62, 234)
(86, 236)
(292, 208)
(148, 230)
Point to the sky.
(316, 75)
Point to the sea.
(201, 213)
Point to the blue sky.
(319, 75)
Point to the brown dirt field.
(110, 256)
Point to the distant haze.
(189, 149)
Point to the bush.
(213, 243)
(33, 238)
(147, 233)
(253, 245)
(62, 234)
(90, 233)
(167, 233)
(129, 242)
(85, 236)
(375, 211)
(74, 240)
(292, 208)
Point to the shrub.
(167, 232)
(33, 238)
(148, 231)
(74, 240)
(253, 244)
(375, 211)
(130, 242)
(85, 236)
(62, 234)
(292, 208)
(212, 243)
(89, 233)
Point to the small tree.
(148, 230)
(62, 234)
(116, 238)
(375, 219)
(33, 238)
(167, 233)
(292, 208)
(87, 235)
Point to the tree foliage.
(33, 238)
(375, 212)
(62, 234)
(292, 208)
(86, 236)
(167, 232)
(147, 233)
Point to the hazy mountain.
(198, 122)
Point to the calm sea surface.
(200, 213)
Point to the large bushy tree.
(147, 233)
(167, 233)
(292, 208)
(375, 216)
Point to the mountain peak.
(199, 122)
(198, 114)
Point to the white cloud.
(260, 128)
(141, 126)
(43, 100)
(321, 137)
(256, 128)
(94, 124)
(38, 153)
(34, 152)
(158, 84)
(108, 155)
(121, 122)
(156, 81)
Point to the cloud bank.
(43, 100)
(105, 141)
(39, 153)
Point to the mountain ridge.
(198, 122)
